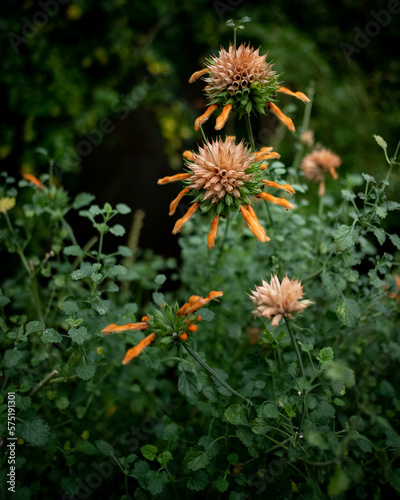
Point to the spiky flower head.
(169, 324)
(242, 80)
(222, 176)
(279, 300)
(318, 163)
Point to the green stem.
(391, 163)
(305, 125)
(296, 347)
(43, 382)
(215, 375)
(208, 146)
(250, 132)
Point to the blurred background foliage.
(103, 87)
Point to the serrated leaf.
(78, 335)
(95, 210)
(187, 385)
(323, 412)
(158, 298)
(124, 251)
(317, 439)
(35, 432)
(117, 230)
(117, 271)
(199, 457)
(34, 326)
(206, 314)
(85, 372)
(380, 235)
(74, 250)
(12, 357)
(105, 448)
(381, 212)
(395, 240)
(62, 402)
(348, 312)
(348, 195)
(198, 481)
(85, 270)
(139, 472)
(82, 200)
(347, 236)
(326, 354)
(69, 307)
(381, 142)
(149, 451)
(236, 415)
(394, 478)
(156, 481)
(245, 436)
(164, 458)
(269, 410)
(221, 484)
(369, 178)
(85, 447)
(123, 209)
(160, 279)
(341, 373)
(51, 335)
(339, 482)
(351, 275)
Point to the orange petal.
(254, 226)
(33, 179)
(321, 190)
(223, 117)
(205, 116)
(333, 173)
(113, 328)
(283, 118)
(135, 351)
(175, 203)
(276, 201)
(299, 95)
(198, 74)
(145, 318)
(213, 233)
(195, 301)
(287, 187)
(263, 151)
(180, 222)
(230, 138)
(174, 178)
(192, 328)
(188, 155)
(267, 156)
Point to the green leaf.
(221, 484)
(117, 271)
(380, 235)
(347, 236)
(381, 142)
(160, 279)
(158, 298)
(105, 448)
(394, 478)
(139, 472)
(369, 178)
(317, 439)
(74, 250)
(269, 410)
(149, 451)
(95, 210)
(164, 458)
(323, 412)
(85, 447)
(51, 335)
(236, 415)
(85, 372)
(156, 481)
(233, 458)
(351, 275)
(206, 314)
(124, 251)
(198, 481)
(187, 385)
(340, 372)
(69, 307)
(395, 240)
(339, 482)
(381, 212)
(82, 200)
(348, 195)
(123, 209)
(34, 326)
(326, 354)
(35, 432)
(117, 230)
(85, 270)
(245, 436)
(348, 312)
(78, 335)
(200, 456)
(62, 402)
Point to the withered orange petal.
(298, 95)
(276, 201)
(205, 116)
(267, 156)
(287, 187)
(174, 178)
(263, 151)
(223, 117)
(198, 74)
(34, 180)
(321, 190)
(282, 117)
(180, 222)
(213, 233)
(254, 226)
(175, 202)
(135, 351)
(113, 328)
(333, 172)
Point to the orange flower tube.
(135, 351)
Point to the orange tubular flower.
(286, 187)
(195, 302)
(173, 178)
(213, 233)
(34, 180)
(254, 226)
(135, 351)
(276, 201)
(175, 203)
(180, 222)
(113, 328)
(299, 95)
(282, 117)
(223, 117)
(205, 116)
